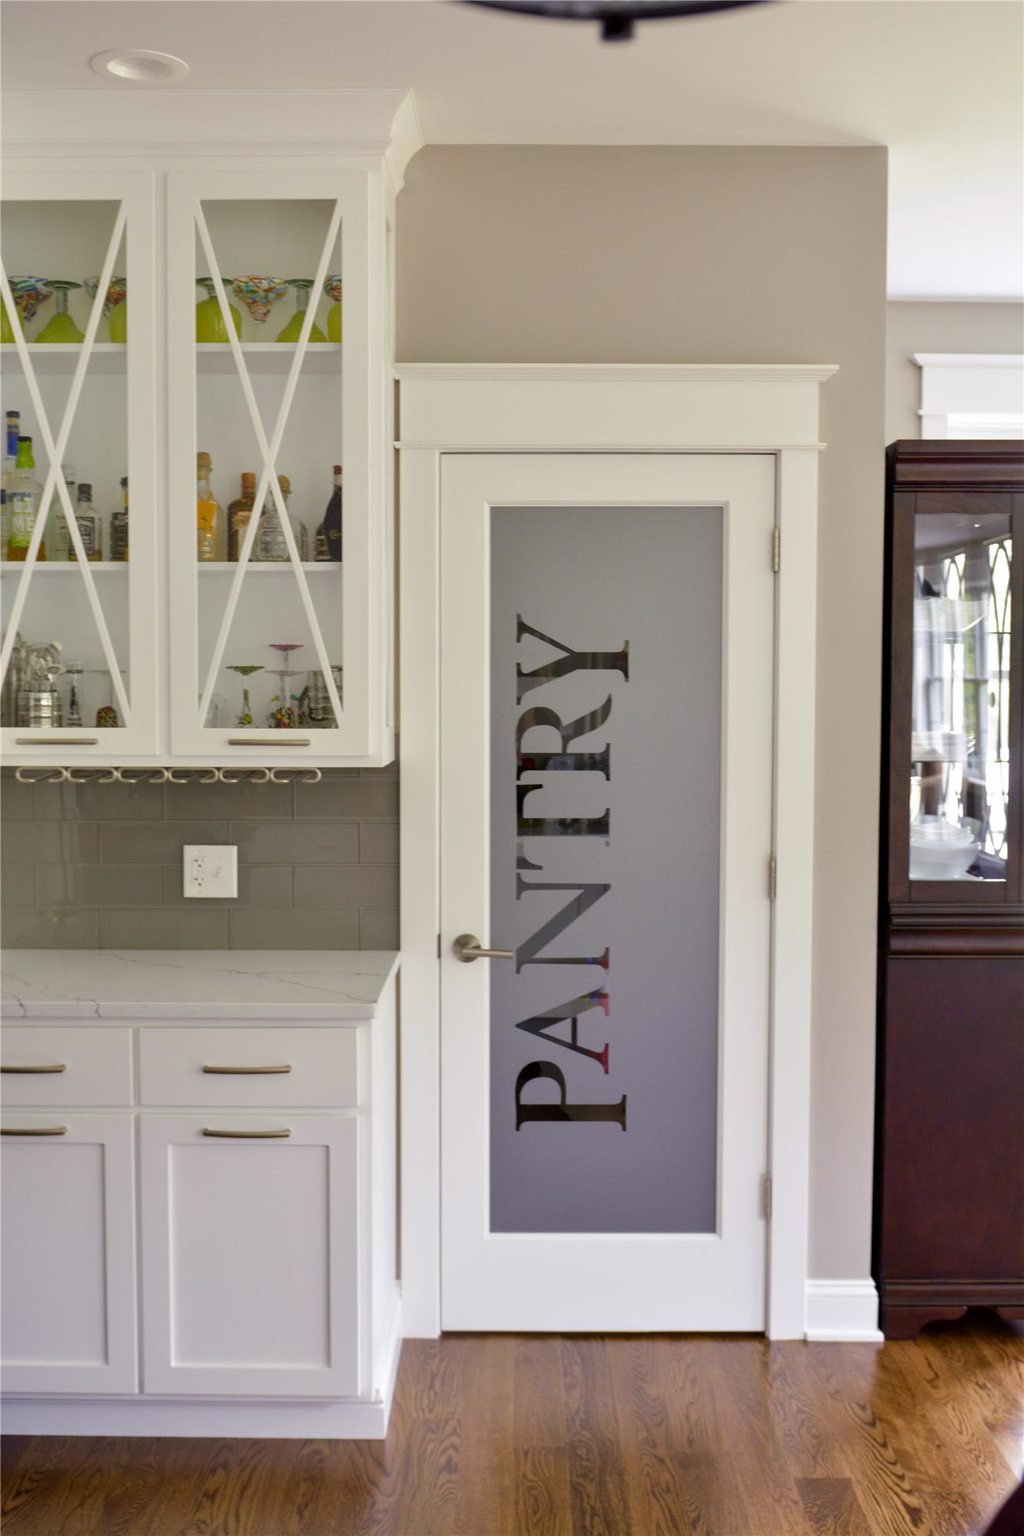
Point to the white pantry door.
(607, 679)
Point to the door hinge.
(439, 946)
(773, 876)
(776, 549)
(766, 1192)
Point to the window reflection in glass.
(960, 752)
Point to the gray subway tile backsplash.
(92, 865)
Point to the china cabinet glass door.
(268, 350)
(962, 730)
(78, 540)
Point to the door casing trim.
(693, 409)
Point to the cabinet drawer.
(285, 1067)
(74, 1066)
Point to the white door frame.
(508, 408)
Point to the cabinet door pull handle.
(20, 1071)
(33, 1130)
(283, 739)
(57, 741)
(246, 1135)
(247, 1071)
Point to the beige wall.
(713, 255)
(939, 328)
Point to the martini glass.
(285, 715)
(209, 319)
(61, 326)
(245, 672)
(115, 311)
(6, 328)
(28, 294)
(332, 288)
(291, 332)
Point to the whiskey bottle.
(270, 541)
(328, 535)
(90, 529)
(58, 537)
(119, 525)
(240, 514)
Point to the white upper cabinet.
(83, 388)
(231, 379)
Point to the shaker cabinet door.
(249, 1254)
(68, 1253)
(78, 556)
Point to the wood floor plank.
(588, 1436)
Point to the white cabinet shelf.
(211, 357)
(62, 357)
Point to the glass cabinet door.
(269, 458)
(78, 540)
(961, 721)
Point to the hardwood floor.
(540, 1436)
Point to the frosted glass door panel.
(606, 765)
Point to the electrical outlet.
(210, 870)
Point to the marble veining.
(139, 984)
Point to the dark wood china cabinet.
(949, 1169)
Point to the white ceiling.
(938, 81)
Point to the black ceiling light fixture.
(616, 18)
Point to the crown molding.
(968, 360)
(611, 373)
(380, 123)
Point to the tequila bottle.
(23, 497)
(270, 541)
(209, 514)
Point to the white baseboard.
(219, 1418)
(842, 1312)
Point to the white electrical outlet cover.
(210, 870)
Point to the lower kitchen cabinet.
(249, 1259)
(68, 1317)
(225, 1189)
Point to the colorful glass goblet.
(259, 294)
(61, 326)
(245, 671)
(28, 293)
(293, 329)
(332, 288)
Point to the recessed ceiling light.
(142, 65)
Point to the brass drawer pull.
(247, 1071)
(28, 1071)
(57, 741)
(283, 739)
(246, 1135)
(33, 1130)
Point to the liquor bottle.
(119, 524)
(270, 541)
(59, 539)
(328, 535)
(12, 424)
(240, 514)
(90, 529)
(209, 514)
(24, 496)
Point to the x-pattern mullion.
(55, 449)
(269, 451)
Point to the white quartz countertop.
(140, 984)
